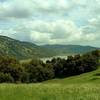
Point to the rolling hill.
(24, 50)
(82, 87)
(19, 49)
(69, 49)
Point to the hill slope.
(69, 49)
(81, 87)
(89, 77)
(24, 50)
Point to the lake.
(50, 58)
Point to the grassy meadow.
(81, 87)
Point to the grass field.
(81, 87)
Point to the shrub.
(36, 71)
(12, 66)
(6, 77)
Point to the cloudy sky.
(51, 21)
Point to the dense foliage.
(11, 70)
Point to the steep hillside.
(20, 49)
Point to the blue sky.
(51, 21)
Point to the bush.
(37, 71)
(6, 78)
(11, 66)
(76, 64)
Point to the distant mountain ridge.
(70, 49)
(24, 50)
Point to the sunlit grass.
(81, 87)
(50, 92)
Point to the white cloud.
(51, 21)
(15, 9)
(29, 8)
(39, 38)
(58, 32)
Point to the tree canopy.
(12, 71)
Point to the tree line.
(12, 71)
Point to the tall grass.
(81, 87)
(50, 92)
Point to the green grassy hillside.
(90, 77)
(82, 87)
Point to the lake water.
(50, 58)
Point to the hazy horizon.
(48, 44)
(75, 22)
